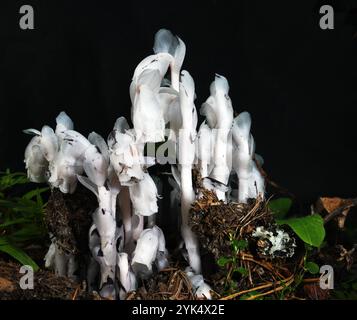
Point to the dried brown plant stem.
(286, 282)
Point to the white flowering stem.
(186, 159)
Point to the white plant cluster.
(124, 245)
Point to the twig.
(264, 265)
(288, 280)
(311, 280)
(234, 295)
(340, 210)
(131, 295)
(288, 283)
(75, 293)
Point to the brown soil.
(169, 284)
(47, 286)
(68, 218)
(213, 221)
(217, 225)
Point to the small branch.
(283, 286)
(74, 296)
(311, 280)
(340, 210)
(284, 283)
(234, 295)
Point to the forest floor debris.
(234, 265)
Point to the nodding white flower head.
(143, 195)
(251, 182)
(35, 162)
(96, 160)
(68, 162)
(43, 149)
(218, 111)
(218, 108)
(150, 242)
(64, 123)
(126, 155)
(150, 103)
(148, 116)
(165, 41)
(49, 143)
(161, 260)
(201, 289)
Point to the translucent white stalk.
(126, 276)
(186, 159)
(125, 209)
(137, 225)
(204, 140)
(103, 182)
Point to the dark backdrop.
(297, 81)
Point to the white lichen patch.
(276, 243)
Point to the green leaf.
(310, 229)
(26, 233)
(312, 267)
(31, 194)
(13, 222)
(242, 271)
(239, 245)
(280, 207)
(354, 286)
(8, 179)
(17, 254)
(222, 261)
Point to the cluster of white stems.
(124, 245)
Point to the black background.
(297, 81)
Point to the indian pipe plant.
(125, 246)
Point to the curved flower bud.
(201, 289)
(145, 253)
(165, 41)
(126, 156)
(251, 182)
(143, 195)
(35, 162)
(148, 116)
(64, 123)
(219, 113)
